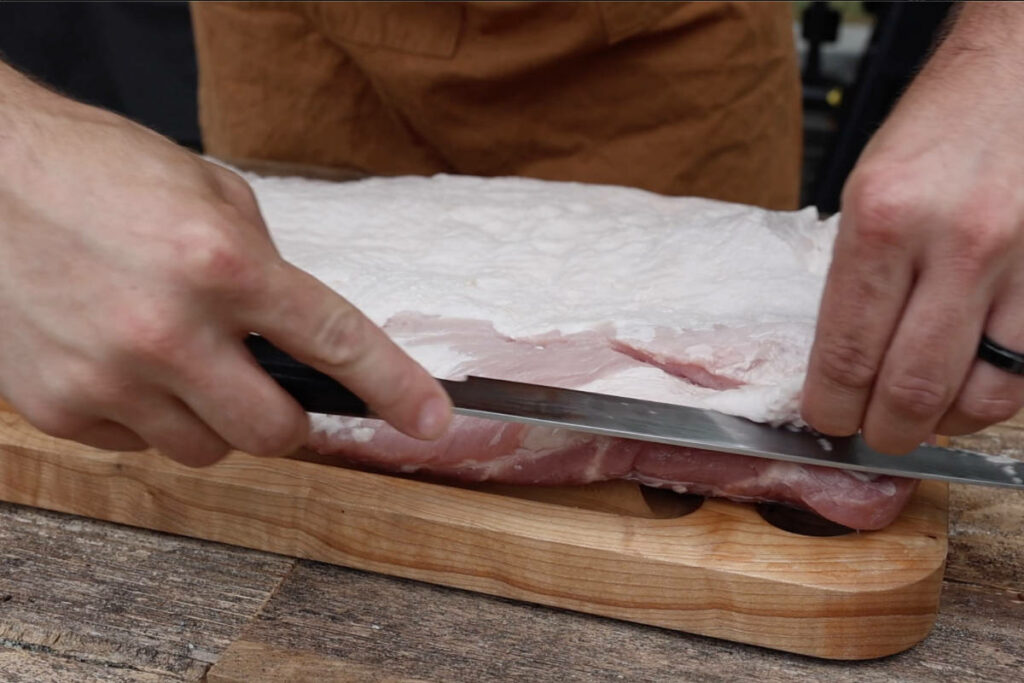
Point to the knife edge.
(651, 421)
(685, 426)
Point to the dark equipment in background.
(133, 58)
(137, 59)
(819, 25)
(903, 36)
(822, 89)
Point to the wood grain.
(326, 616)
(330, 618)
(24, 666)
(247, 661)
(80, 598)
(720, 571)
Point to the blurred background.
(137, 59)
(856, 60)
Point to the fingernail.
(434, 418)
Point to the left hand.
(930, 253)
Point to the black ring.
(1000, 356)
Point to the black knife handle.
(315, 391)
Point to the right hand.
(130, 272)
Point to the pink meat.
(484, 450)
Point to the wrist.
(31, 115)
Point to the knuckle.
(98, 387)
(75, 387)
(880, 204)
(53, 419)
(277, 435)
(106, 393)
(214, 260)
(65, 383)
(982, 235)
(917, 396)
(847, 365)
(234, 186)
(150, 337)
(987, 410)
(341, 338)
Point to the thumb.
(314, 324)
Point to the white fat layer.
(363, 434)
(544, 440)
(535, 257)
(344, 428)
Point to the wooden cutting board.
(721, 570)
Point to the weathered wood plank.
(247, 661)
(332, 619)
(41, 666)
(987, 524)
(122, 599)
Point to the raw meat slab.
(609, 289)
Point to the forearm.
(16, 92)
(976, 74)
(27, 108)
(19, 95)
(33, 118)
(987, 27)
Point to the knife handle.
(315, 391)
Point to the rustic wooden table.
(88, 600)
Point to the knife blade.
(664, 423)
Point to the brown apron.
(678, 98)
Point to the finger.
(867, 286)
(927, 361)
(317, 326)
(75, 425)
(246, 408)
(990, 394)
(171, 427)
(111, 436)
(989, 397)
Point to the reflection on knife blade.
(652, 421)
(684, 426)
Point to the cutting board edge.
(107, 487)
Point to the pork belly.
(608, 289)
(476, 449)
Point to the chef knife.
(665, 423)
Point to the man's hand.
(130, 272)
(930, 252)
